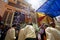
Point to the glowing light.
(36, 3)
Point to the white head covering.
(58, 18)
(57, 22)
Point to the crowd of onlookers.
(7, 31)
(26, 33)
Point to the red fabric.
(41, 18)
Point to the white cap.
(58, 18)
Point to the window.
(5, 1)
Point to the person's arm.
(12, 34)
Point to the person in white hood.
(27, 33)
(11, 33)
(54, 33)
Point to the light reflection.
(36, 3)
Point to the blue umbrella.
(51, 8)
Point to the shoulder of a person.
(12, 29)
(48, 28)
(29, 26)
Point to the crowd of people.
(6, 32)
(29, 33)
(26, 33)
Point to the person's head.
(52, 24)
(1, 25)
(14, 26)
(45, 26)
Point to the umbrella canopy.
(51, 8)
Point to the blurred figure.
(41, 33)
(11, 33)
(52, 24)
(4, 31)
(27, 33)
(54, 33)
(17, 31)
(1, 25)
(1, 30)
